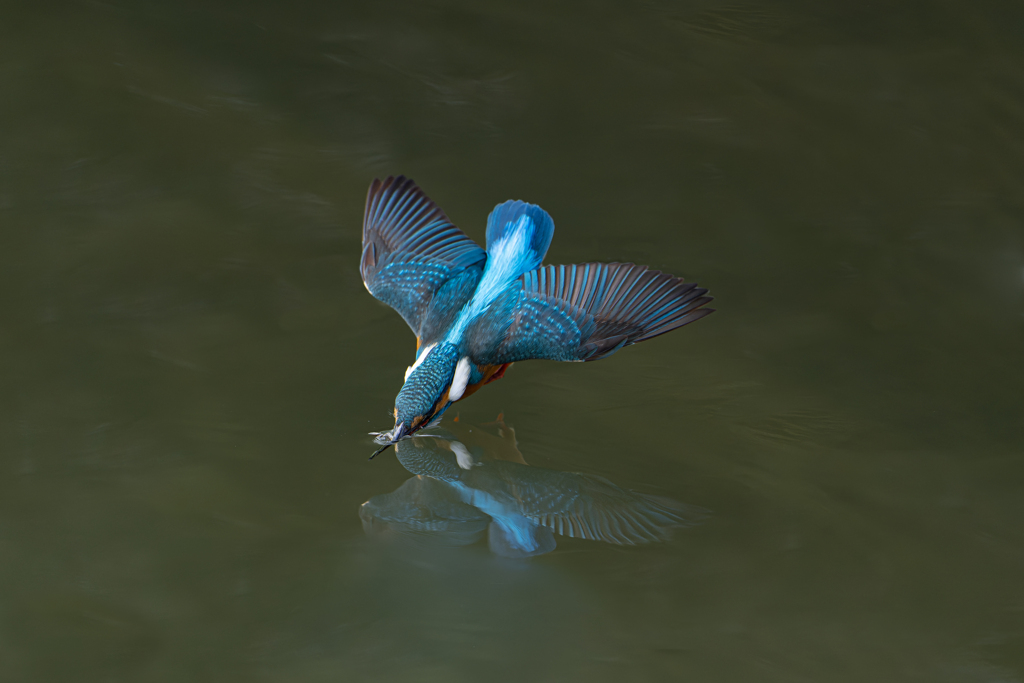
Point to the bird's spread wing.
(414, 259)
(582, 312)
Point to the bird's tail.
(517, 536)
(526, 225)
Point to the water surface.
(190, 362)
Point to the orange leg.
(499, 373)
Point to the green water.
(190, 362)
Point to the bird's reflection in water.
(475, 481)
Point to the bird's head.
(426, 394)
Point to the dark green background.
(190, 363)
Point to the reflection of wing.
(591, 507)
(423, 509)
(519, 498)
(582, 312)
(414, 259)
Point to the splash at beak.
(386, 439)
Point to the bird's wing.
(414, 259)
(582, 312)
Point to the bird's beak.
(387, 439)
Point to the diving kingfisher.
(476, 311)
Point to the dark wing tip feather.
(693, 315)
(406, 220)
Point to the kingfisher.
(476, 311)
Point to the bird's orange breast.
(489, 374)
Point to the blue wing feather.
(414, 259)
(582, 312)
